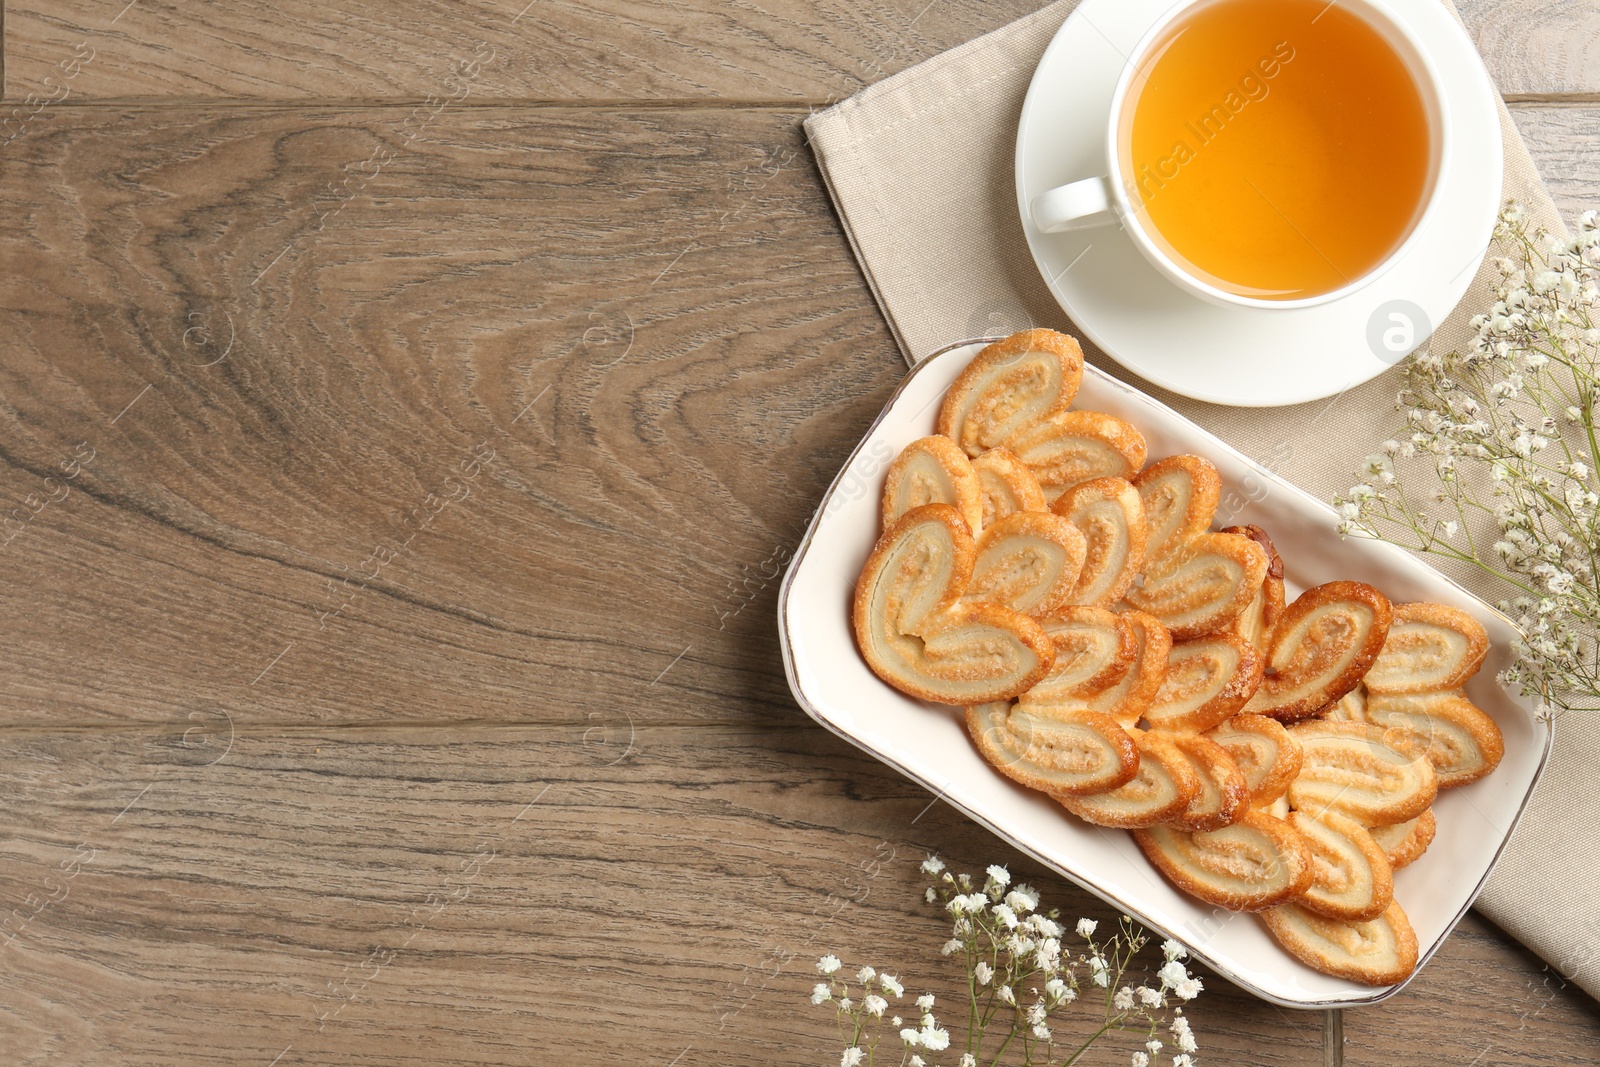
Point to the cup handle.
(1081, 205)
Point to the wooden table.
(406, 416)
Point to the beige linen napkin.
(920, 168)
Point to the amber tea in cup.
(1276, 149)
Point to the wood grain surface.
(405, 418)
(607, 50)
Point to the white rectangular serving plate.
(928, 742)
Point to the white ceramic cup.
(1111, 197)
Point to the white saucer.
(1247, 357)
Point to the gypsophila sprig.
(1022, 979)
(1495, 465)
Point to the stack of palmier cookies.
(1114, 652)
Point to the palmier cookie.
(1376, 952)
(1350, 768)
(1256, 863)
(1352, 877)
(916, 635)
(1430, 647)
(1028, 562)
(1108, 512)
(1195, 582)
(1179, 495)
(1403, 842)
(1125, 700)
(1321, 646)
(1208, 680)
(1457, 737)
(1008, 387)
(1224, 795)
(933, 470)
(1066, 753)
(1266, 753)
(1162, 788)
(1255, 622)
(1015, 395)
(1095, 650)
(1006, 486)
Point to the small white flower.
(1182, 1036)
(1056, 989)
(949, 947)
(932, 865)
(1005, 994)
(935, 1040)
(1004, 913)
(930, 895)
(928, 1021)
(1098, 973)
(874, 1005)
(1182, 1061)
(1187, 989)
(925, 1002)
(1086, 928)
(852, 1057)
(896, 1022)
(967, 1060)
(845, 1003)
(1172, 950)
(999, 875)
(910, 1037)
(1141, 1059)
(983, 972)
(1022, 899)
(891, 985)
(1041, 1031)
(1152, 998)
(1153, 1046)
(865, 975)
(1171, 973)
(915, 1061)
(828, 965)
(1122, 1000)
(820, 992)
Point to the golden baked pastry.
(1430, 647)
(1126, 700)
(1095, 650)
(1256, 863)
(1016, 394)
(1010, 385)
(1162, 788)
(1266, 753)
(917, 635)
(1208, 680)
(1108, 512)
(1028, 562)
(1180, 495)
(933, 470)
(1195, 582)
(1255, 622)
(1319, 649)
(1458, 738)
(1352, 877)
(1006, 486)
(1064, 753)
(1379, 951)
(1403, 842)
(1349, 767)
(1224, 794)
